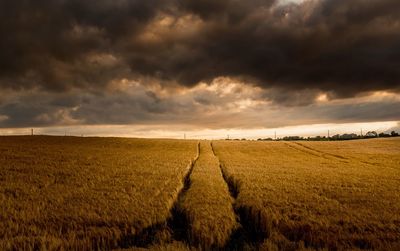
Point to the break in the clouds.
(72, 62)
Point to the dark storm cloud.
(345, 47)
(341, 46)
(50, 43)
(231, 10)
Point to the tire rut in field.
(173, 229)
(310, 150)
(340, 157)
(315, 152)
(245, 237)
(178, 223)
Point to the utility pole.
(32, 132)
(228, 136)
(275, 135)
(184, 136)
(328, 134)
(361, 132)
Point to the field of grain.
(333, 195)
(87, 193)
(63, 193)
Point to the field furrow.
(376, 152)
(248, 235)
(315, 152)
(171, 231)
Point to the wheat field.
(86, 193)
(72, 193)
(332, 195)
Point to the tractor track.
(173, 229)
(315, 152)
(246, 235)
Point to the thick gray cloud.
(54, 44)
(343, 46)
(59, 58)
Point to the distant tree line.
(346, 136)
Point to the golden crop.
(86, 193)
(334, 195)
(63, 193)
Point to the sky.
(200, 68)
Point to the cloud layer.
(221, 104)
(60, 59)
(343, 46)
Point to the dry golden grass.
(102, 193)
(173, 246)
(379, 152)
(86, 193)
(207, 204)
(333, 195)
